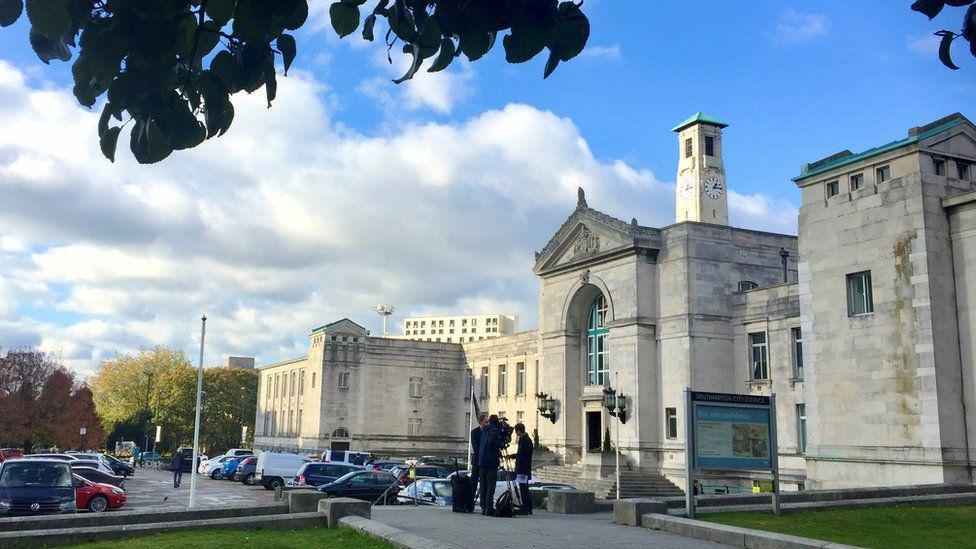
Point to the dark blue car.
(36, 487)
(317, 473)
(230, 467)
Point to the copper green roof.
(699, 118)
(850, 158)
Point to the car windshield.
(47, 475)
(109, 458)
(442, 489)
(347, 476)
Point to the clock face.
(686, 186)
(713, 188)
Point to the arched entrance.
(340, 440)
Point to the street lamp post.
(616, 405)
(196, 422)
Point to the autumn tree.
(169, 67)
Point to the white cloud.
(795, 27)
(439, 91)
(762, 212)
(611, 53)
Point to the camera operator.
(488, 461)
(523, 468)
(476, 449)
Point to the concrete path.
(154, 488)
(540, 530)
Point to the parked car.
(346, 456)
(213, 467)
(147, 458)
(239, 452)
(36, 487)
(274, 467)
(246, 469)
(92, 463)
(118, 466)
(7, 453)
(386, 465)
(422, 470)
(431, 492)
(508, 475)
(372, 486)
(188, 459)
(98, 477)
(59, 457)
(317, 474)
(96, 497)
(230, 467)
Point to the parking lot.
(154, 487)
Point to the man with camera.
(488, 460)
(523, 468)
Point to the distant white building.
(458, 329)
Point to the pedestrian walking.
(176, 464)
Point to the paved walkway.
(539, 530)
(154, 488)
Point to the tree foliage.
(932, 8)
(41, 403)
(169, 67)
(122, 385)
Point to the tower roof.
(699, 118)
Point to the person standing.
(475, 450)
(176, 464)
(523, 468)
(488, 461)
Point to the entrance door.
(340, 446)
(593, 434)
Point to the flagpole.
(196, 422)
(470, 428)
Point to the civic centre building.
(863, 326)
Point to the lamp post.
(196, 422)
(616, 405)
(149, 376)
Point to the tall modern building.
(458, 329)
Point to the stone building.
(352, 390)
(458, 328)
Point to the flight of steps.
(633, 484)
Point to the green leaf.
(345, 18)
(523, 44)
(401, 21)
(445, 56)
(221, 11)
(10, 11)
(48, 49)
(270, 85)
(297, 17)
(109, 141)
(225, 66)
(103, 120)
(286, 45)
(944, 49)
(571, 31)
(414, 50)
(368, 23)
(49, 18)
(930, 8)
(475, 44)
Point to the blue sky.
(490, 151)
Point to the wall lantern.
(546, 406)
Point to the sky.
(433, 195)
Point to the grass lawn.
(242, 539)
(888, 527)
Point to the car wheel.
(98, 504)
(249, 479)
(215, 475)
(277, 483)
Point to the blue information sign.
(731, 431)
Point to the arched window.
(746, 285)
(597, 348)
(340, 433)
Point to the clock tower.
(701, 192)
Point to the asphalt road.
(154, 488)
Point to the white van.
(274, 467)
(346, 457)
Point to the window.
(298, 428)
(671, 422)
(313, 380)
(688, 148)
(597, 336)
(341, 432)
(857, 181)
(267, 419)
(963, 169)
(833, 189)
(292, 385)
(452, 324)
(520, 378)
(797, 337)
(416, 387)
(484, 382)
(801, 428)
(291, 424)
(502, 415)
(746, 285)
(882, 174)
(709, 145)
(267, 381)
(519, 416)
(474, 321)
(758, 355)
(301, 383)
(276, 385)
(939, 166)
(859, 298)
(413, 427)
(501, 379)
(343, 380)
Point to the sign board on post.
(82, 431)
(730, 432)
(159, 433)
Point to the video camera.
(504, 432)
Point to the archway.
(340, 440)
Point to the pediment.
(587, 234)
(961, 142)
(343, 327)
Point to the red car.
(97, 497)
(7, 453)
